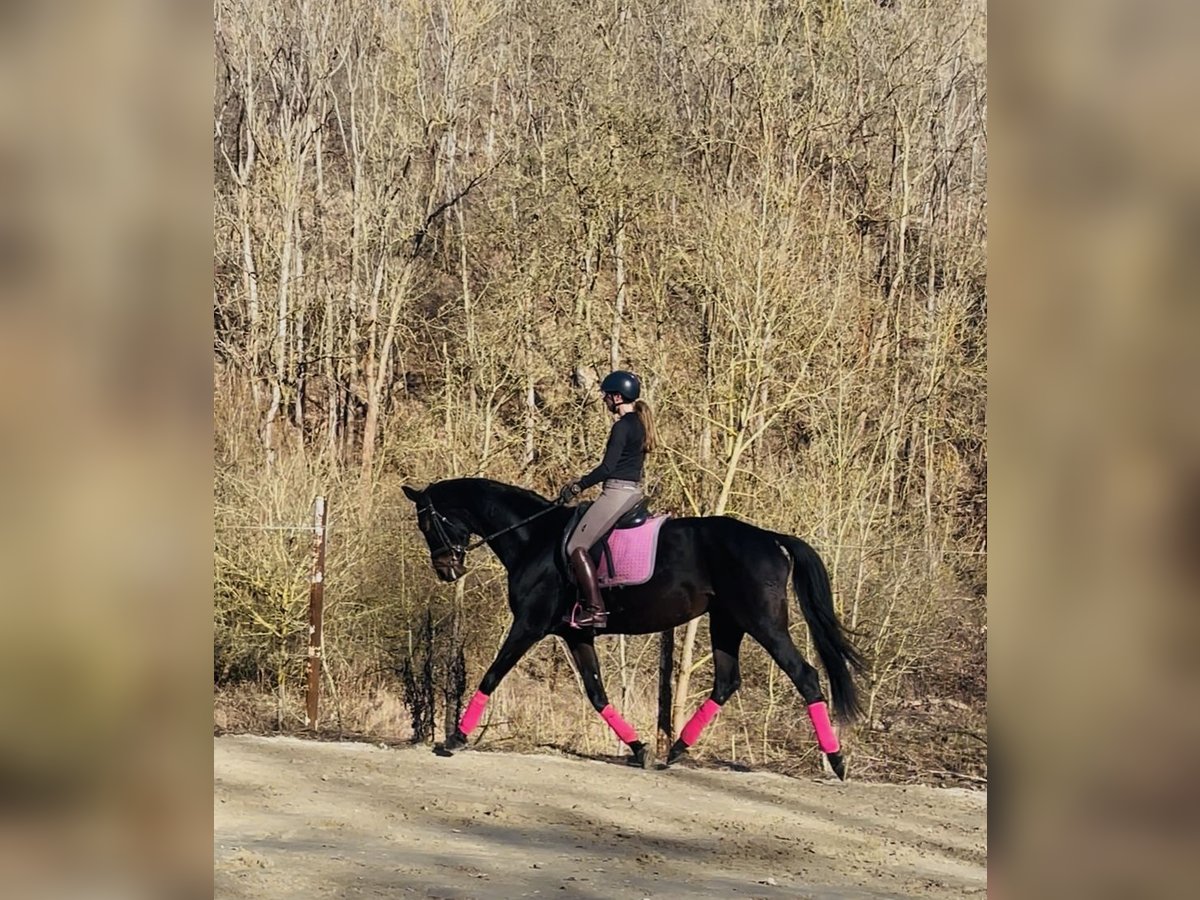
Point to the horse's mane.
(496, 490)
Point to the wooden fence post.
(316, 606)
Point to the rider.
(631, 438)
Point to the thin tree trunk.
(250, 280)
(242, 171)
(530, 391)
(614, 353)
(377, 370)
(689, 635)
(332, 395)
(352, 146)
(905, 206)
(280, 348)
(684, 680)
(300, 363)
(706, 339)
(371, 415)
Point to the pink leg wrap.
(704, 715)
(622, 728)
(474, 711)
(826, 739)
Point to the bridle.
(458, 552)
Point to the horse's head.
(445, 534)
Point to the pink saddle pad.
(633, 554)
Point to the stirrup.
(579, 617)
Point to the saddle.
(623, 555)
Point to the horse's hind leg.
(584, 654)
(727, 678)
(778, 643)
(516, 644)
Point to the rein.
(461, 551)
(483, 540)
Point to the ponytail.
(642, 409)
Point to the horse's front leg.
(516, 644)
(584, 654)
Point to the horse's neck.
(495, 512)
(492, 512)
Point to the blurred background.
(1095, 475)
(111, 305)
(105, 349)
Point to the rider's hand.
(569, 492)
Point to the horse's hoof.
(456, 741)
(440, 750)
(678, 751)
(837, 764)
(638, 758)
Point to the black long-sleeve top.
(623, 456)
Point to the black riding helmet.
(624, 383)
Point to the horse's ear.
(411, 494)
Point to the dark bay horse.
(734, 571)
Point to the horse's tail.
(838, 656)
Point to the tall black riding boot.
(594, 614)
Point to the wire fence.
(320, 527)
(331, 526)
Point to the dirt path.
(305, 819)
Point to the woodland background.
(436, 222)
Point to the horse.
(735, 572)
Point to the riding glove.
(569, 492)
